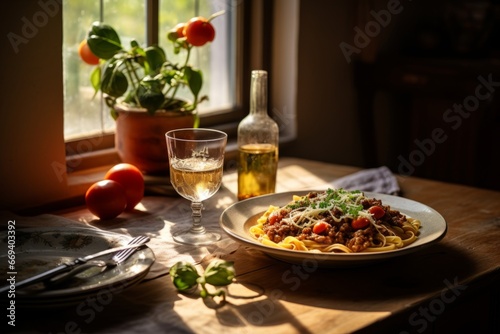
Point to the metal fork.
(117, 259)
(121, 256)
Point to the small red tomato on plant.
(176, 32)
(360, 222)
(131, 179)
(199, 31)
(86, 54)
(179, 29)
(106, 199)
(377, 211)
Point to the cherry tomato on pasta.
(377, 211)
(320, 227)
(274, 217)
(360, 222)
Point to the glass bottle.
(258, 137)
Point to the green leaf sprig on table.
(218, 273)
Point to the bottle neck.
(258, 93)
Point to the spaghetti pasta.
(335, 221)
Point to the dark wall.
(326, 104)
(410, 85)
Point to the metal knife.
(67, 266)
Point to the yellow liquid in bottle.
(257, 168)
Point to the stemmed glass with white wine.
(196, 159)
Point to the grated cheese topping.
(304, 211)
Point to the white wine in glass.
(196, 159)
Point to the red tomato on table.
(106, 199)
(131, 179)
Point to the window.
(147, 21)
(37, 172)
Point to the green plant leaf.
(172, 35)
(103, 48)
(95, 78)
(194, 79)
(150, 96)
(196, 120)
(105, 31)
(138, 55)
(155, 57)
(114, 113)
(114, 82)
(103, 40)
(171, 77)
(137, 50)
(134, 44)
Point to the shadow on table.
(259, 313)
(104, 312)
(376, 287)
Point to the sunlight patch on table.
(298, 178)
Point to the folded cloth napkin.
(377, 180)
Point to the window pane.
(214, 59)
(81, 111)
(128, 17)
(84, 113)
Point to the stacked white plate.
(39, 249)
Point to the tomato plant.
(143, 76)
(106, 199)
(377, 211)
(199, 31)
(360, 222)
(86, 54)
(132, 181)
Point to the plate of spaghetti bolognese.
(333, 227)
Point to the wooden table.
(433, 290)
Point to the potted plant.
(140, 86)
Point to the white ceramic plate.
(39, 249)
(237, 219)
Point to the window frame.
(95, 151)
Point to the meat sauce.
(340, 232)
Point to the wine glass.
(196, 159)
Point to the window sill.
(80, 180)
(85, 177)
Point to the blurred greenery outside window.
(85, 114)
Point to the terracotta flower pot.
(140, 137)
